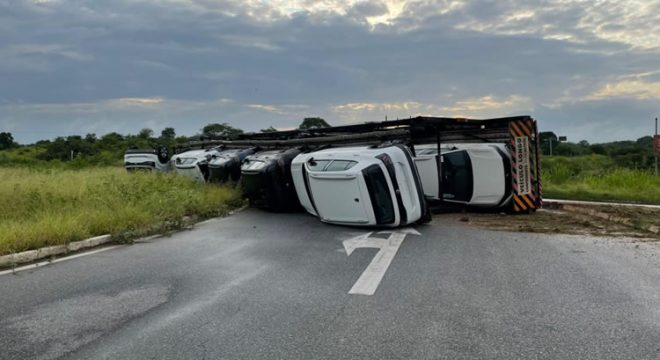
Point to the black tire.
(426, 215)
(163, 154)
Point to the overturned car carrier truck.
(482, 163)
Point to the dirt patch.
(618, 221)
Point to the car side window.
(340, 165)
(330, 165)
(427, 152)
(317, 165)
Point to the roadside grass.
(597, 178)
(24, 157)
(56, 206)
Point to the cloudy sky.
(586, 69)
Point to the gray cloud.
(74, 66)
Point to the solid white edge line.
(45, 263)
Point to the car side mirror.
(311, 162)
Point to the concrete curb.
(32, 255)
(12, 260)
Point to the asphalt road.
(275, 286)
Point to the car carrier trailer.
(517, 134)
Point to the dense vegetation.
(83, 151)
(55, 206)
(614, 171)
(89, 150)
(630, 154)
(598, 178)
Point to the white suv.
(369, 186)
(472, 174)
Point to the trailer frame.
(518, 133)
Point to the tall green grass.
(30, 156)
(55, 206)
(598, 178)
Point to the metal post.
(550, 141)
(656, 154)
(438, 160)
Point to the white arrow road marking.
(373, 274)
(409, 231)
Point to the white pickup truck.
(470, 174)
(366, 186)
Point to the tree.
(598, 149)
(64, 148)
(220, 130)
(145, 133)
(545, 137)
(645, 141)
(182, 139)
(90, 138)
(570, 149)
(168, 133)
(112, 138)
(313, 123)
(6, 141)
(268, 130)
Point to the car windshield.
(457, 176)
(379, 193)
